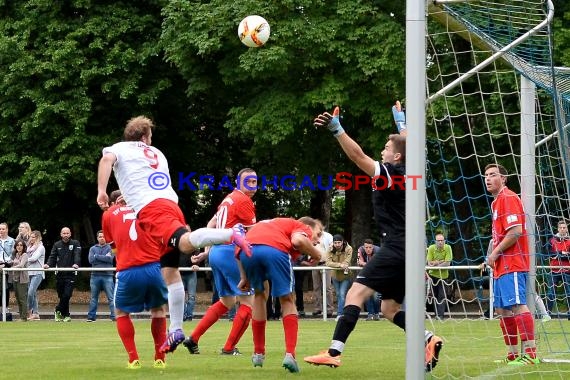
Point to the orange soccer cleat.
(324, 358)
(433, 347)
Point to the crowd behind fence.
(473, 283)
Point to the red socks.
(291, 328)
(158, 331)
(522, 324)
(258, 329)
(126, 332)
(525, 324)
(240, 324)
(212, 315)
(510, 332)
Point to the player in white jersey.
(140, 166)
(142, 173)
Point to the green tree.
(74, 72)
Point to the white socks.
(203, 237)
(176, 305)
(540, 306)
(428, 335)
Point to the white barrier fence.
(5, 272)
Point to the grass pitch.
(376, 349)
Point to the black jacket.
(64, 255)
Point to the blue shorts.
(510, 290)
(225, 270)
(268, 263)
(140, 288)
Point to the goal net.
(495, 97)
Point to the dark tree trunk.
(320, 206)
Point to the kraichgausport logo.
(340, 181)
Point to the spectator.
(36, 259)
(100, 256)
(365, 253)
(24, 232)
(339, 257)
(65, 253)
(21, 278)
(189, 280)
(439, 255)
(560, 256)
(6, 249)
(323, 246)
(302, 261)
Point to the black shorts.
(386, 272)
(171, 259)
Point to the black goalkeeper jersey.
(389, 201)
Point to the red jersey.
(133, 247)
(277, 233)
(507, 212)
(235, 208)
(559, 244)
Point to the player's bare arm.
(509, 240)
(438, 263)
(302, 243)
(243, 284)
(104, 172)
(355, 154)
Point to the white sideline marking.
(555, 361)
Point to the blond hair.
(137, 127)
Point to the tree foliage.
(319, 55)
(561, 32)
(73, 73)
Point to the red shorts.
(160, 219)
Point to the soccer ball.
(253, 31)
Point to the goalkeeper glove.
(332, 122)
(399, 116)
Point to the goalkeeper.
(386, 271)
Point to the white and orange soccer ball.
(253, 31)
